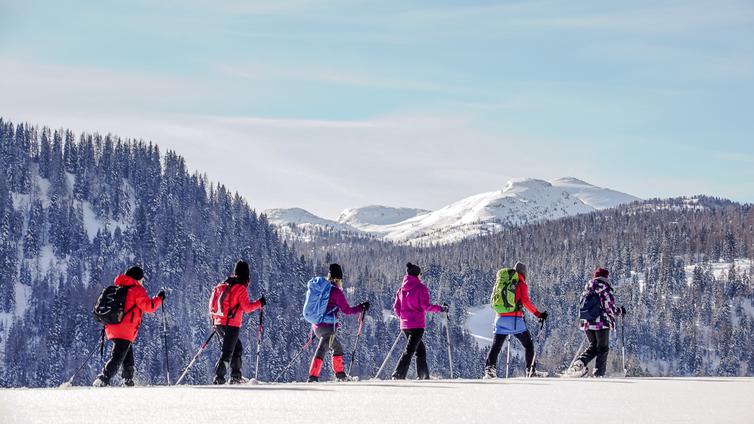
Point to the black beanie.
(135, 272)
(412, 269)
(520, 268)
(336, 272)
(241, 271)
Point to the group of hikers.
(325, 300)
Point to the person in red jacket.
(124, 333)
(229, 301)
(512, 323)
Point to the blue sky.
(333, 104)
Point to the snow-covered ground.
(551, 400)
(721, 269)
(480, 324)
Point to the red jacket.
(137, 299)
(237, 301)
(522, 297)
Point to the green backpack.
(503, 298)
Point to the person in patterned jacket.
(597, 330)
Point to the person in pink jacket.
(411, 305)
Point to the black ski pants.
(497, 345)
(232, 352)
(414, 346)
(599, 346)
(122, 354)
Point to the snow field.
(550, 400)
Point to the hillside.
(682, 400)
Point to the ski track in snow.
(548, 400)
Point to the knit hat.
(135, 272)
(520, 268)
(241, 271)
(601, 272)
(412, 269)
(336, 272)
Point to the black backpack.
(591, 307)
(110, 306)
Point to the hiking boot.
(578, 370)
(341, 376)
(129, 382)
(100, 381)
(238, 380)
(312, 379)
(489, 373)
(218, 380)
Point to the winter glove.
(365, 306)
(161, 294)
(622, 311)
(263, 301)
(445, 307)
(543, 316)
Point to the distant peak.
(571, 180)
(525, 183)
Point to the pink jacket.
(412, 302)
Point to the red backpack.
(220, 304)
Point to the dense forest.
(681, 267)
(76, 210)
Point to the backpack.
(110, 305)
(315, 306)
(503, 298)
(591, 307)
(219, 293)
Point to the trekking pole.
(390, 352)
(540, 338)
(508, 356)
(78, 370)
(260, 333)
(447, 333)
(358, 336)
(199, 352)
(578, 351)
(165, 338)
(623, 344)
(303, 348)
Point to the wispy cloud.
(337, 77)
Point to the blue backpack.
(591, 307)
(315, 306)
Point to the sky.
(332, 104)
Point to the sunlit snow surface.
(550, 400)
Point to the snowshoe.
(129, 382)
(577, 370)
(218, 380)
(312, 379)
(489, 373)
(342, 377)
(532, 372)
(100, 381)
(238, 380)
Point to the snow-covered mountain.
(302, 218)
(521, 201)
(374, 218)
(596, 197)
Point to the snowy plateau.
(518, 400)
(520, 202)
